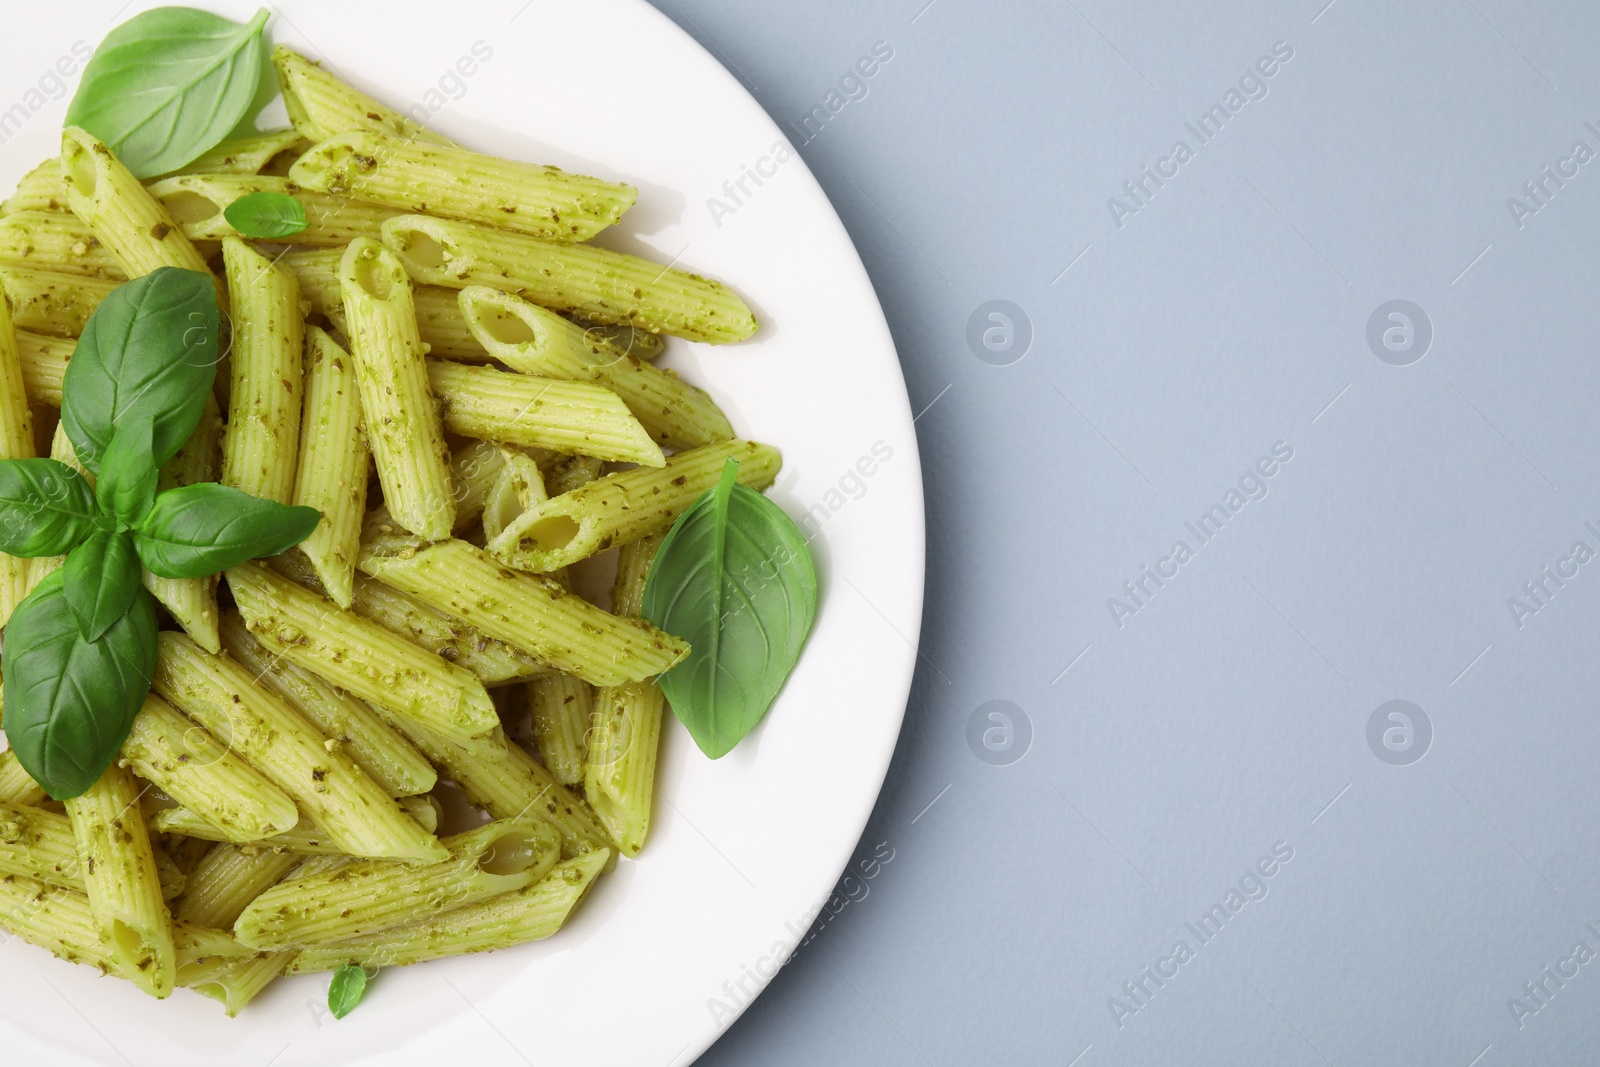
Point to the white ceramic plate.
(745, 849)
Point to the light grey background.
(1230, 713)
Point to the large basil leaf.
(69, 702)
(196, 530)
(735, 579)
(100, 579)
(147, 354)
(168, 84)
(126, 487)
(266, 214)
(45, 507)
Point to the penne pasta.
(397, 402)
(130, 915)
(389, 759)
(620, 763)
(224, 883)
(409, 175)
(167, 873)
(198, 203)
(50, 302)
(502, 779)
(561, 707)
(532, 340)
(57, 920)
(41, 189)
(44, 366)
(134, 225)
(602, 285)
(359, 656)
(239, 984)
(528, 611)
(576, 418)
(515, 918)
(203, 774)
(16, 785)
(277, 740)
(263, 431)
(492, 662)
(332, 475)
(365, 897)
(253, 153)
(193, 945)
(440, 323)
(474, 470)
(320, 105)
(640, 344)
(317, 271)
(39, 844)
(518, 487)
(440, 337)
(304, 840)
(623, 507)
(192, 601)
(53, 240)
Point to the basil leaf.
(128, 474)
(147, 354)
(266, 214)
(45, 507)
(196, 530)
(69, 702)
(734, 578)
(168, 84)
(349, 985)
(99, 580)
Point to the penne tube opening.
(519, 850)
(494, 315)
(372, 272)
(550, 534)
(189, 207)
(77, 164)
(416, 247)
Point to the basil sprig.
(168, 84)
(266, 215)
(79, 651)
(734, 578)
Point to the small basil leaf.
(147, 354)
(349, 985)
(734, 578)
(197, 530)
(100, 579)
(45, 507)
(128, 474)
(168, 84)
(266, 215)
(70, 702)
